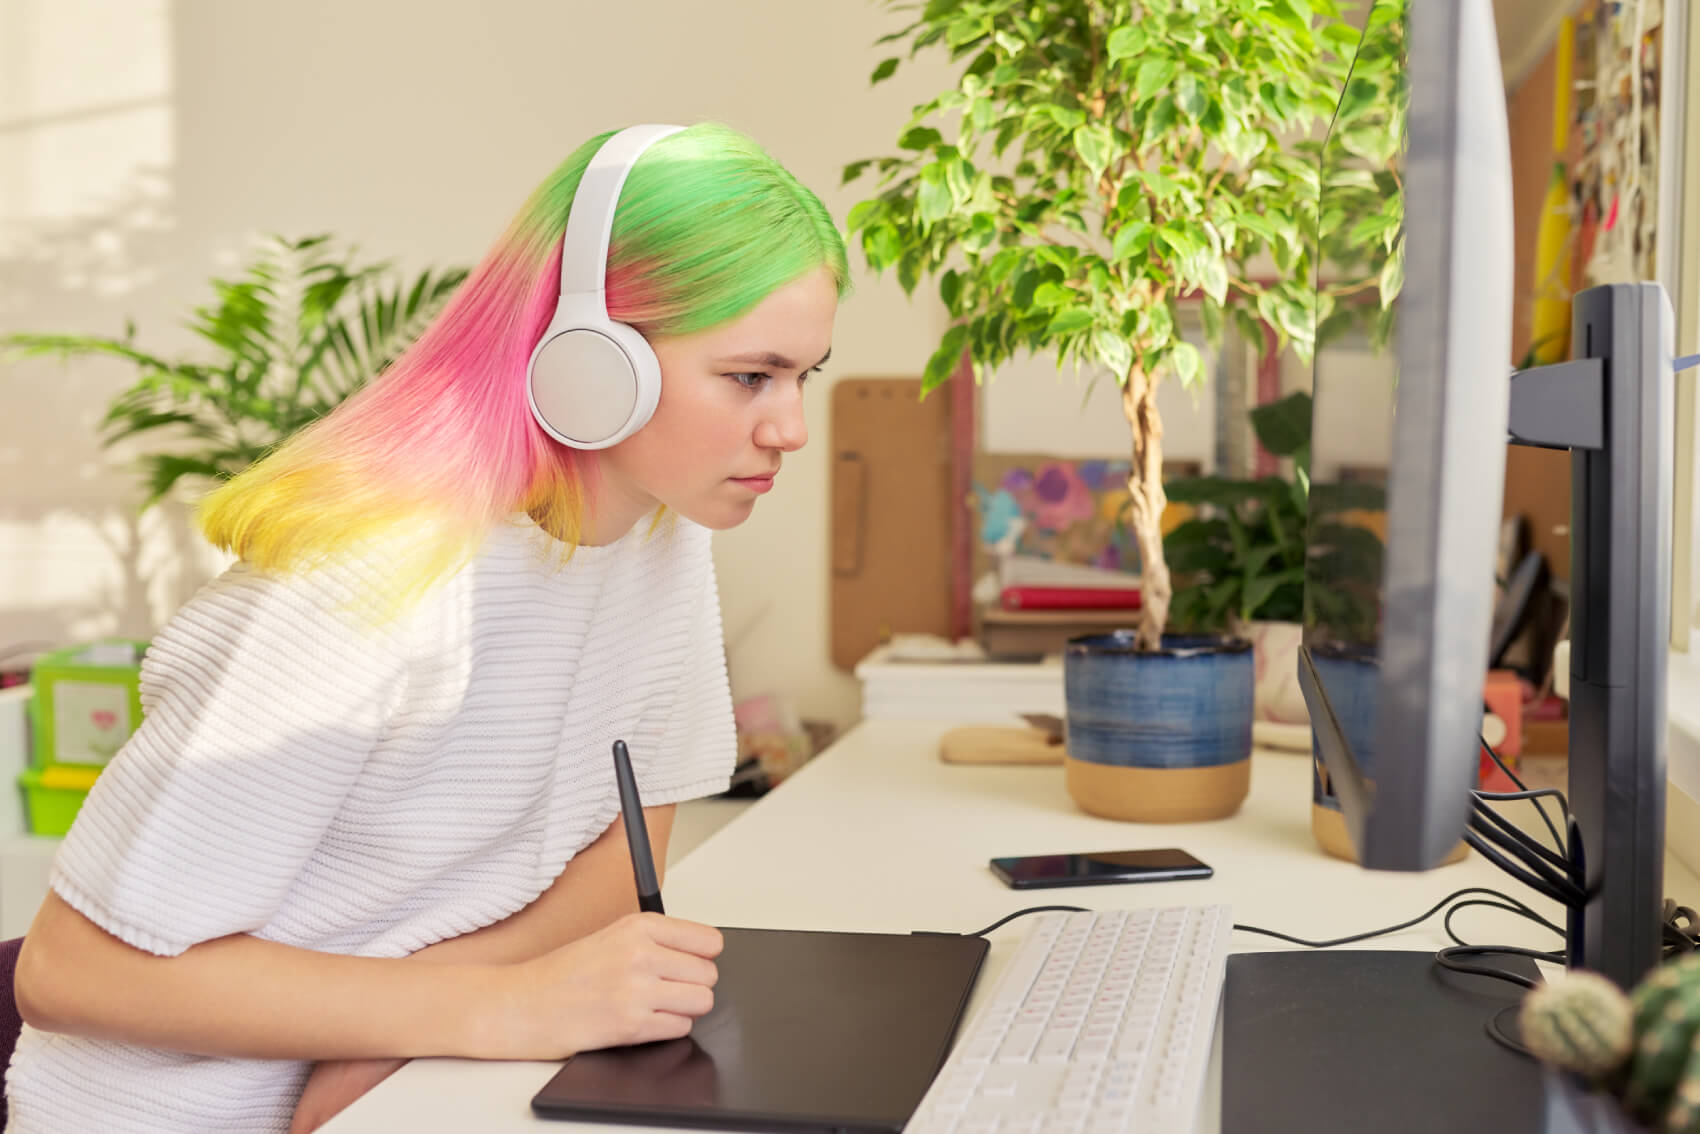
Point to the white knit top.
(303, 777)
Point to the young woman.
(371, 812)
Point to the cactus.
(1664, 1075)
(1682, 1116)
(1580, 1022)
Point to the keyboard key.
(1055, 1047)
(1018, 1044)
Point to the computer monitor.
(1413, 407)
(1409, 429)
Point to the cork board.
(891, 514)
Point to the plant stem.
(1146, 504)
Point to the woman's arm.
(596, 888)
(247, 997)
(603, 888)
(244, 996)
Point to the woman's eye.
(748, 381)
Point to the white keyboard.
(1102, 1022)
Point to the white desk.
(878, 835)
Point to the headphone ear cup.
(593, 386)
(645, 375)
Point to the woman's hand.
(645, 977)
(334, 1084)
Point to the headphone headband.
(590, 222)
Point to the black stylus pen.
(637, 835)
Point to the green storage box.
(54, 795)
(87, 702)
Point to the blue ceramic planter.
(1352, 681)
(1158, 736)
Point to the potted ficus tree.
(1096, 163)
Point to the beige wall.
(143, 144)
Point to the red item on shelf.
(1070, 598)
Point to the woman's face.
(731, 407)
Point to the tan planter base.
(1158, 795)
(1329, 827)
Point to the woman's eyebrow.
(772, 359)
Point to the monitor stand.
(1376, 1040)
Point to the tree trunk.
(1145, 486)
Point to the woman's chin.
(718, 515)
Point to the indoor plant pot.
(1275, 654)
(1158, 736)
(1350, 676)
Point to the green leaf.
(1164, 115)
(967, 29)
(860, 212)
(882, 246)
(1113, 351)
(945, 359)
(950, 289)
(1189, 96)
(1211, 315)
(1127, 40)
(1283, 426)
(1067, 117)
(1052, 295)
(920, 138)
(933, 195)
(1154, 75)
(1392, 279)
(1131, 238)
(1096, 146)
(1068, 321)
(1213, 278)
(1259, 589)
(1188, 363)
(886, 69)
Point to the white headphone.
(593, 382)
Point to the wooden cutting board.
(991, 744)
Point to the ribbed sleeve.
(262, 701)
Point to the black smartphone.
(1092, 868)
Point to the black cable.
(1516, 907)
(1559, 884)
(1447, 959)
(1024, 913)
(1556, 857)
(1521, 786)
(1681, 928)
(1503, 796)
(1436, 908)
(1532, 881)
(1496, 1030)
(1551, 857)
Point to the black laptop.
(809, 1032)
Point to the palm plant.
(303, 327)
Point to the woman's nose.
(784, 428)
